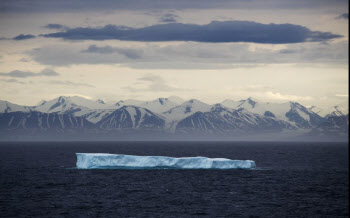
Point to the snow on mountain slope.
(6, 107)
(226, 121)
(231, 104)
(132, 117)
(64, 104)
(38, 120)
(277, 110)
(316, 109)
(159, 105)
(94, 115)
(128, 102)
(185, 109)
(337, 110)
(334, 127)
(176, 100)
(336, 123)
(289, 111)
(94, 111)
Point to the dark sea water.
(292, 180)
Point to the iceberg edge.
(119, 161)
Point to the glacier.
(107, 161)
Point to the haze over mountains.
(171, 117)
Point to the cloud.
(181, 65)
(279, 96)
(69, 83)
(55, 26)
(169, 18)
(12, 81)
(24, 37)
(215, 32)
(154, 83)
(343, 16)
(23, 60)
(152, 78)
(35, 6)
(266, 92)
(127, 52)
(342, 95)
(24, 74)
(191, 55)
(100, 50)
(256, 88)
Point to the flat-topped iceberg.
(105, 161)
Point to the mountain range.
(170, 117)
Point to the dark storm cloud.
(24, 74)
(343, 16)
(168, 18)
(127, 52)
(93, 5)
(216, 32)
(55, 26)
(192, 55)
(24, 37)
(100, 50)
(288, 51)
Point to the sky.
(272, 50)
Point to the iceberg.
(118, 161)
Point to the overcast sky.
(272, 50)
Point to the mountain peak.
(252, 99)
(176, 99)
(41, 102)
(193, 101)
(100, 101)
(294, 104)
(218, 108)
(62, 99)
(229, 100)
(162, 100)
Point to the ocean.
(305, 179)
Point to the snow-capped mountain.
(72, 104)
(38, 120)
(186, 109)
(7, 107)
(293, 112)
(176, 100)
(93, 111)
(336, 123)
(128, 102)
(237, 104)
(227, 121)
(337, 110)
(334, 128)
(159, 105)
(132, 117)
(165, 116)
(94, 115)
(316, 109)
